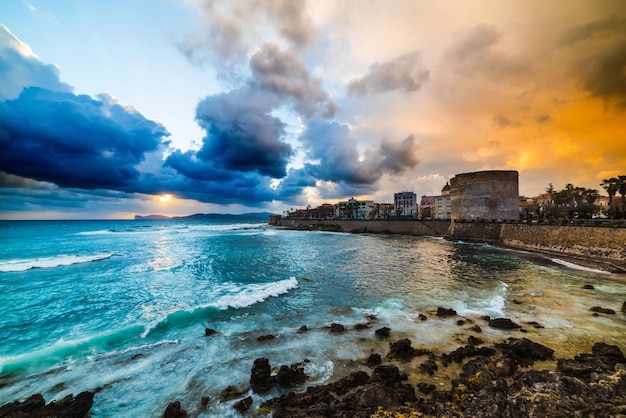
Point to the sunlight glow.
(164, 198)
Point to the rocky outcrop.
(35, 406)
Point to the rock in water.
(445, 311)
(260, 376)
(35, 406)
(503, 323)
(175, 410)
(383, 332)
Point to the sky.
(111, 109)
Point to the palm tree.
(621, 189)
(612, 187)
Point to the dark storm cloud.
(337, 158)
(281, 73)
(74, 141)
(19, 68)
(242, 135)
(601, 46)
(404, 74)
(474, 52)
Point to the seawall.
(592, 242)
(404, 227)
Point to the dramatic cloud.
(474, 52)
(336, 157)
(602, 48)
(281, 73)
(74, 141)
(231, 30)
(20, 68)
(404, 74)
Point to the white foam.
(49, 262)
(98, 232)
(577, 267)
(254, 293)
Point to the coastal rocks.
(624, 307)
(588, 287)
(290, 375)
(503, 323)
(243, 405)
(445, 312)
(373, 360)
(600, 309)
(357, 395)
(260, 376)
(208, 332)
(383, 332)
(525, 351)
(35, 406)
(264, 338)
(175, 410)
(336, 328)
(402, 350)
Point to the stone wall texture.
(596, 242)
(487, 195)
(420, 228)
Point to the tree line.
(573, 202)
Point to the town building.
(405, 204)
(424, 207)
(441, 206)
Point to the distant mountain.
(152, 217)
(253, 215)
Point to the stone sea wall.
(405, 227)
(595, 242)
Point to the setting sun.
(164, 198)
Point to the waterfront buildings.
(405, 204)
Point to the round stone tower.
(485, 195)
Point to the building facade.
(405, 204)
(441, 206)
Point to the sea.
(120, 307)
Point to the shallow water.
(121, 306)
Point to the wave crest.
(49, 262)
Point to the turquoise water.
(121, 307)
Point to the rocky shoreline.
(513, 377)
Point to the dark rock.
(588, 287)
(336, 328)
(445, 311)
(260, 376)
(429, 366)
(426, 388)
(462, 353)
(387, 375)
(423, 317)
(290, 375)
(503, 323)
(175, 410)
(624, 307)
(486, 318)
(611, 352)
(525, 351)
(460, 322)
(600, 309)
(402, 350)
(476, 328)
(302, 329)
(471, 340)
(244, 404)
(26, 408)
(535, 324)
(384, 332)
(267, 337)
(35, 406)
(209, 332)
(360, 327)
(374, 360)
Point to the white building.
(405, 204)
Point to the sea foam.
(49, 262)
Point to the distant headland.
(254, 215)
